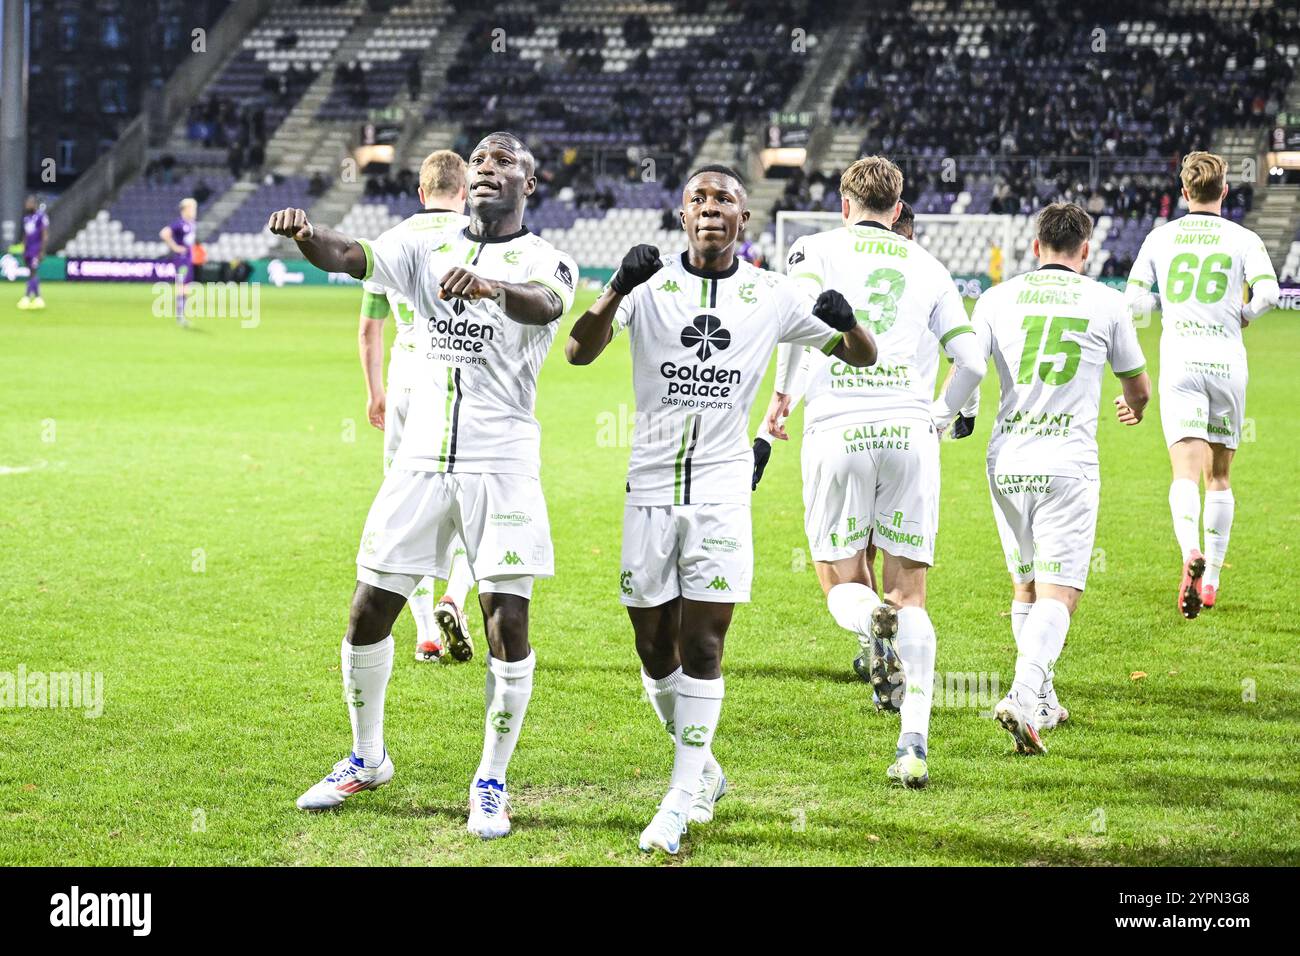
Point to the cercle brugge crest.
(884, 289)
(706, 335)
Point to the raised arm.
(528, 303)
(595, 328)
(857, 347)
(324, 248)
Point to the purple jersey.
(34, 226)
(183, 235)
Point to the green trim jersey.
(474, 385)
(701, 343)
(378, 303)
(1201, 263)
(908, 301)
(1050, 333)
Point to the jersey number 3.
(1045, 339)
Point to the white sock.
(459, 579)
(698, 706)
(509, 686)
(915, 644)
(1185, 508)
(851, 606)
(366, 669)
(421, 604)
(1043, 636)
(1219, 506)
(663, 698)
(1019, 612)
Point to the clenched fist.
(833, 309)
(460, 283)
(640, 263)
(291, 223)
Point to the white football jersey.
(700, 344)
(1050, 333)
(474, 372)
(1201, 263)
(907, 300)
(378, 303)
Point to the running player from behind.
(440, 628)
(486, 299)
(871, 440)
(1202, 265)
(701, 327)
(1051, 333)
(36, 226)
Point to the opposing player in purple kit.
(36, 225)
(179, 235)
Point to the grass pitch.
(179, 512)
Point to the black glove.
(833, 309)
(963, 426)
(762, 452)
(640, 263)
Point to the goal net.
(968, 245)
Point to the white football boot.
(713, 787)
(348, 777)
(665, 832)
(1018, 722)
(452, 622)
(489, 809)
(1047, 715)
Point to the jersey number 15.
(1046, 347)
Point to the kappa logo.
(706, 334)
(670, 285)
(719, 583)
(564, 274)
(512, 559)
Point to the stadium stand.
(600, 87)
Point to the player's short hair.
(1203, 175)
(872, 183)
(1064, 227)
(722, 170)
(517, 144)
(188, 201)
(442, 173)
(905, 224)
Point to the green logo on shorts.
(511, 558)
(719, 583)
(625, 582)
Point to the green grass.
(222, 699)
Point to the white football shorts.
(1205, 400)
(702, 552)
(417, 515)
(1047, 524)
(869, 481)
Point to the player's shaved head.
(502, 139)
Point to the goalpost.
(963, 243)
